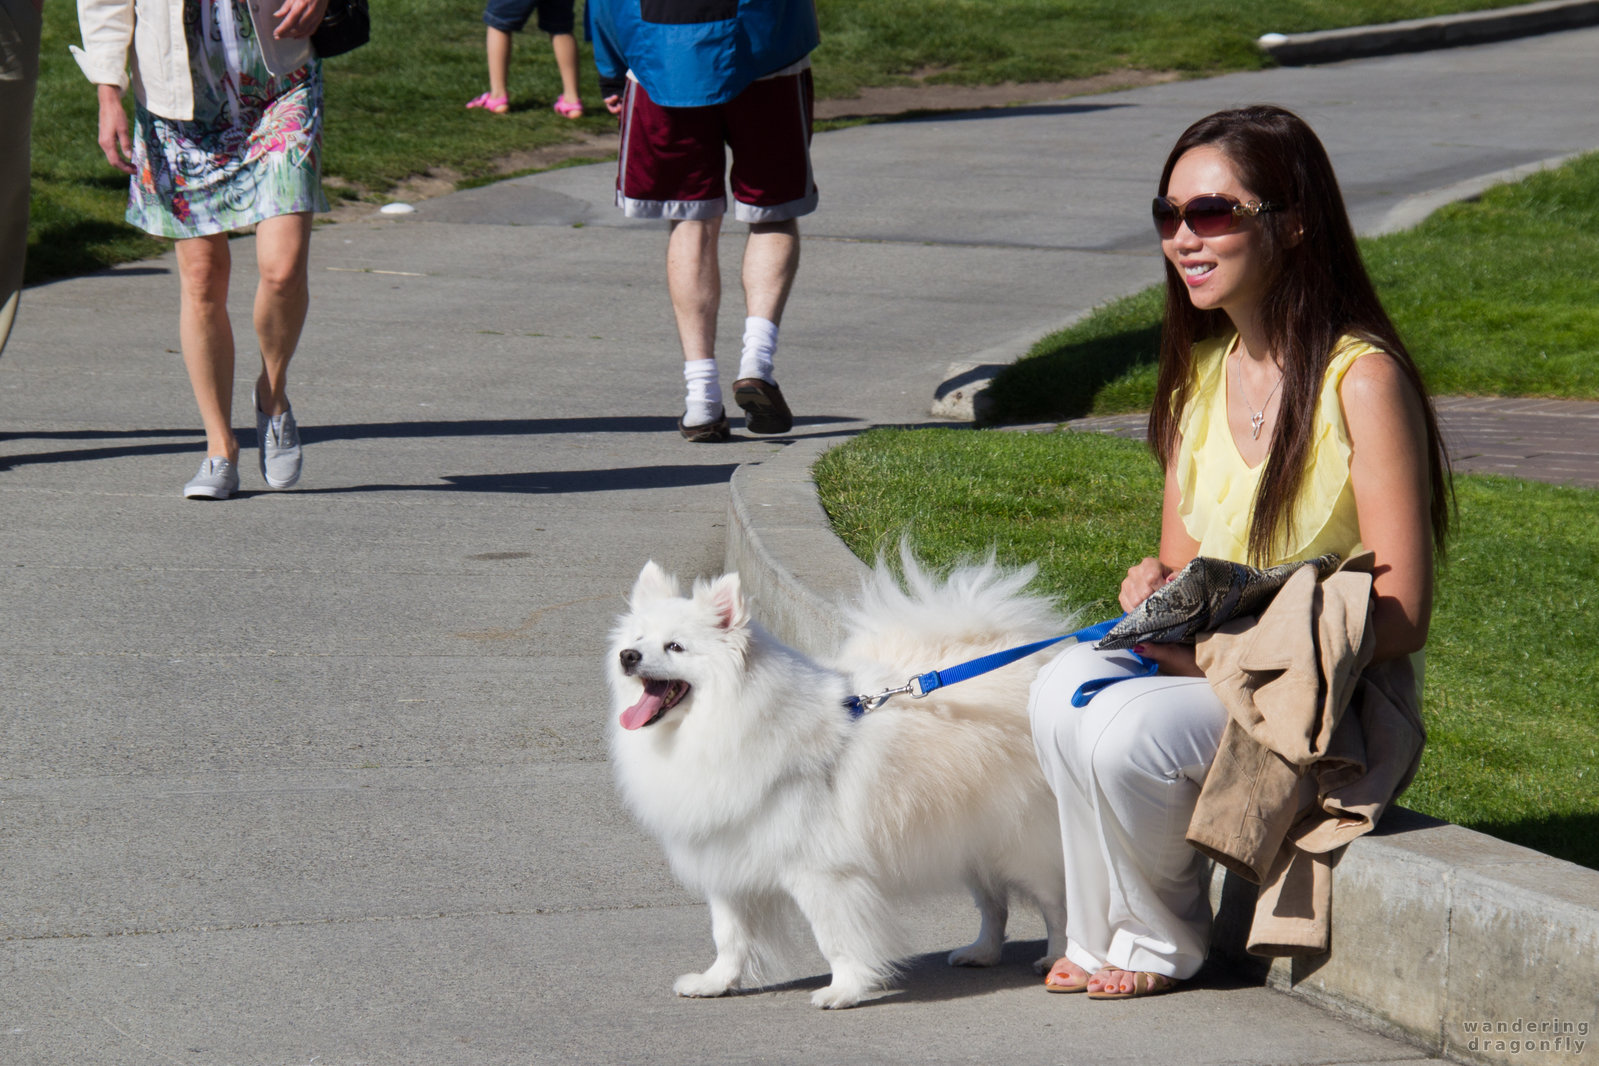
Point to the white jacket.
(162, 81)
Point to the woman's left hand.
(298, 18)
(1175, 660)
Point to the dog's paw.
(979, 953)
(1043, 965)
(836, 997)
(700, 985)
(852, 982)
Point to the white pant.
(1126, 770)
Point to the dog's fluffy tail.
(977, 607)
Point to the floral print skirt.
(253, 149)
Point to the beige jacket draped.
(147, 37)
(1318, 741)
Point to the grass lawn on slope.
(395, 107)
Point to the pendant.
(1255, 422)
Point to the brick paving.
(1541, 440)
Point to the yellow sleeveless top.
(1218, 487)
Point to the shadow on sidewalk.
(1018, 111)
(929, 978)
(183, 441)
(558, 482)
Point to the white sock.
(760, 348)
(704, 402)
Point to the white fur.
(767, 796)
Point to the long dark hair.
(1318, 292)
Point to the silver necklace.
(1256, 418)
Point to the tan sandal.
(1145, 983)
(1059, 980)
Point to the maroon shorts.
(673, 158)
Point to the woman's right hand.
(114, 139)
(1142, 581)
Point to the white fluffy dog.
(738, 754)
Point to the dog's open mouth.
(659, 697)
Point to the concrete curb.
(779, 541)
(1416, 35)
(1433, 921)
(961, 394)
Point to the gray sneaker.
(217, 480)
(279, 440)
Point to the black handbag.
(346, 25)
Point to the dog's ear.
(653, 584)
(726, 597)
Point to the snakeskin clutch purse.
(1205, 594)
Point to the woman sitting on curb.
(1290, 422)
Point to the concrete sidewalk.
(320, 775)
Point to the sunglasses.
(1209, 215)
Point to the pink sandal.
(498, 105)
(568, 108)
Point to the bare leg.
(498, 47)
(694, 280)
(565, 47)
(206, 336)
(282, 248)
(771, 259)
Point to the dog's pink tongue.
(648, 706)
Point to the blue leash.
(922, 684)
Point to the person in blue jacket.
(691, 79)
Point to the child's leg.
(499, 50)
(565, 47)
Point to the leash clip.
(863, 704)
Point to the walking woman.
(227, 133)
(1290, 422)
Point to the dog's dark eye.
(674, 646)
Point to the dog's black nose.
(630, 659)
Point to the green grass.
(75, 214)
(1052, 499)
(1493, 297)
(969, 42)
(395, 107)
(1513, 746)
(1497, 297)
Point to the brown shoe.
(709, 433)
(765, 410)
